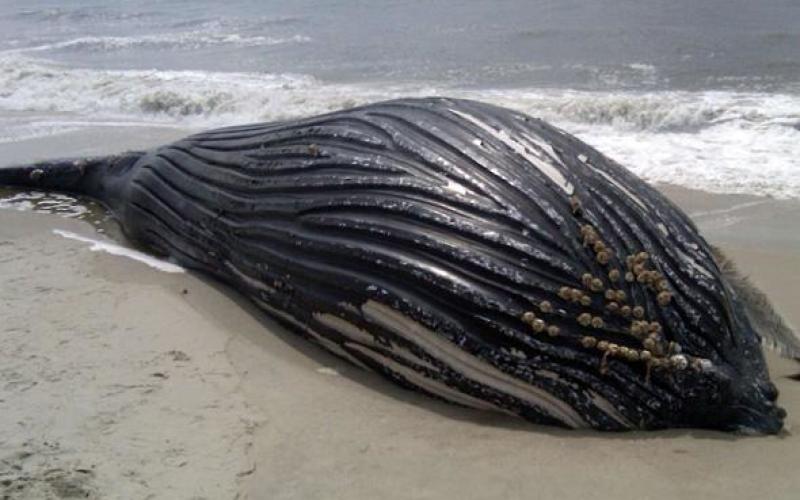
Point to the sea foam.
(721, 141)
(114, 249)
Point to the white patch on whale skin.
(622, 188)
(609, 409)
(597, 400)
(614, 182)
(347, 306)
(249, 280)
(346, 328)
(542, 164)
(428, 384)
(548, 374)
(456, 188)
(468, 365)
(336, 349)
(362, 336)
(693, 263)
(114, 249)
(327, 344)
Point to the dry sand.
(118, 380)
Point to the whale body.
(463, 250)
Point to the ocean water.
(704, 94)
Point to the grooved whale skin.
(411, 236)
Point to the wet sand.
(118, 380)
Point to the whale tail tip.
(75, 175)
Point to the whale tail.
(80, 176)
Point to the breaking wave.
(81, 14)
(167, 41)
(718, 141)
(661, 111)
(34, 85)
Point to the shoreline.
(122, 381)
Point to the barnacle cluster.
(648, 343)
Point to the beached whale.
(464, 250)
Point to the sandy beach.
(120, 380)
